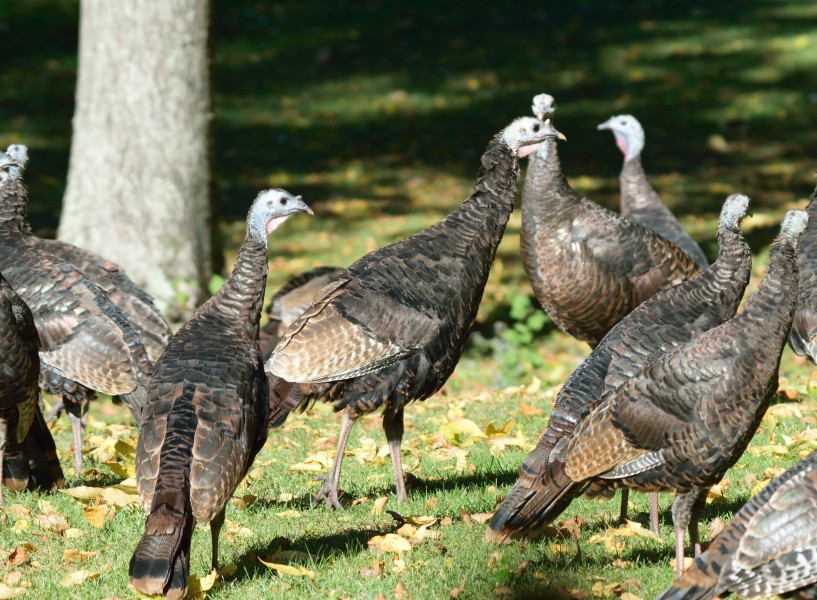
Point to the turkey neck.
(547, 194)
(768, 312)
(636, 191)
(733, 265)
(480, 221)
(242, 295)
(13, 203)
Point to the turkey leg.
(393, 427)
(329, 490)
(215, 531)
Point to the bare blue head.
(270, 209)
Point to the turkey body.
(86, 344)
(668, 319)
(639, 200)
(289, 302)
(28, 456)
(206, 415)
(769, 547)
(687, 417)
(803, 337)
(588, 266)
(393, 326)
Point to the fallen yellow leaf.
(7, 592)
(77, 556)
(95, 515)
(82, 492)
(78, 578)
(389, 543)
(461, 432)
(296, 570)
(379, 505)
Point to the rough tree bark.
(139, 175)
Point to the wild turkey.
(682, 421)
(393, 326)
(639, 201)
(661, 323)
(290, 301)
(137, 305)
(87, 343)
(803, 337)
(206, 416)
(588, 266)
(769, 547)
(28, 456)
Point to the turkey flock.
(678, 380)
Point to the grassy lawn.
(378, 117)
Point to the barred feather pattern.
(289, 303)
(205, 420)
(694, 408)
(803, 337)
(84, 337)
(27, 453)
(661, 323)
(769, 547)
(566, 239)
(393, 326)
(642, 204)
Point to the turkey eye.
(283, 201)
(536, 128)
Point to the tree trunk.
(139, 175)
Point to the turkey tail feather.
(161, 562)
(527, 509)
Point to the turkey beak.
(602, 126)
(299, 205)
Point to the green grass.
(377, 115)
(451, 480)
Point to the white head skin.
(543, 106)
(793, 225)
(10, 169)
(734, 209)
(19, 153)
(270, 209)
(525, 134)
(629, 134)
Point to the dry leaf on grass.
(390, 542)
(82, 492)
(199, 586)
(314, 463)
(95, 515)
(18, 511)
(715, 527)
(530, 411)
(456, 592)
(379, 505)
(461, 432)
(18, 556)
(78, 578)
(373, 570)
(400, 591)
(296, 570)
(77, 556)
(7, 592)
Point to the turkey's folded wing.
(347, 333)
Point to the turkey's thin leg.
(625, 501)
(329, 490)
(393, 427)
(654, 527)
(215, 531)
(74, 410)
(679, 550)
(2, 456)
(55, 412)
